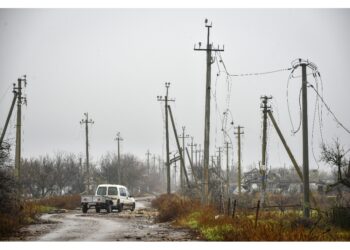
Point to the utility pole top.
(209, 47)
(118, 137)
(86, 120)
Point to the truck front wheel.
(97, 208)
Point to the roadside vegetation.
(210, 225)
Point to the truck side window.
(101, 191)
(112, 191)
(122, 191)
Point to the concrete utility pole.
(209, 48)
(18, 89)
(196, 152)
(239, 133)
(119, 169)
(227, 170)
(154, 163)
(263, 166)
(178, 147)
(183, 137)
(219, 160)
(86, 121)
(305, 142)
(148, 165)
(166, 100)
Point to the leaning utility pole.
(119, 172)
(178, 147)
(183, 137)
(86, 121)
(166, 100)
(239, 133)
(263, 166)
(18, 89)
(208, 49)
(3, 132)
(305, 141)
(191, 145)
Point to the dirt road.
(125, 226)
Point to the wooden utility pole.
(305, 142)
(183, 137)
(18, 89)
(86, 121)
(166, 100)
(239, 133)
(263, 166)
(209, 48)
(119, 169)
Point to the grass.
(271, 226)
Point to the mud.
(138, 225)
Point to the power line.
(329, 110)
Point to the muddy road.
(138, 225)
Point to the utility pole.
(209, 48)
(239, 133)
(183, 137)
(166, 100)
(178, 146)
(18, 89)
(86, 121)
(148, 165)
(305, 142)
(196, 152)
(263, 166)
(3, 132)
(191, 145)
(219, 159)
(227, 170)
(154, 163)
(119, 171)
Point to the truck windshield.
(101, 191)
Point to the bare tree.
(335, 156)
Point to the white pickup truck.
(109, 197)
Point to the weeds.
(24, 213)
(271, 226)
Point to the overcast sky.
(112, 63)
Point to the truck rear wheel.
(120, 207)
(84, 208)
